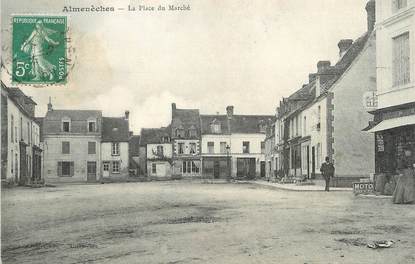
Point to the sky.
(248, 54)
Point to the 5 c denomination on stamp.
(39, 50)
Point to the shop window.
(153, 168)
(211, 147)
(401, 60)
(66, 147)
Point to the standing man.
(327, 170)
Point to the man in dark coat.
(327, 170)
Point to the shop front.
(394, 131)
(216, 167)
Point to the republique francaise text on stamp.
(39, 49)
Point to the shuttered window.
(65, 168)
(401, 60)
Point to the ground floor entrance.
(91, 171)
(216, 167)
(187, 167)
(246, 168)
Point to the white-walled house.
(233, 144)
(159, 152)
(394, 119)
(21, 149)
(115, 148)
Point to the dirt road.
(184, 222)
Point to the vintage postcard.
(207, 131)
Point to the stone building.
(21, 149)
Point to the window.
(215, 128)
(11, 129)
(262, 147)
(66, 147)
(192, 133)
(211, 147)
(115, 167)
(180, 132)
(222, 147)
(305, 125)
(154, 168)
(165, 139)
(245, 147)
(66, 126)
(115, 149)
(160, 151)
(91, 148)
(192, 148)
(399, 4)
(401, 61)
(191, 167)
(65, 168)
(180, 147)
(106, 166)
(15, 134)
(28, 133)
(91, 126)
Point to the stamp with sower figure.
(39, 50)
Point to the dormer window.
(165, 139)
(66, 125)
(92, 126)
(180, 132)
(192, 132)
(215, 127)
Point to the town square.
(223, 132)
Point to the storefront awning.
(392, 123)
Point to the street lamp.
(228, 175)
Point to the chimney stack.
(371, 15)
(229, 111)
(344, 45)
(50, 105)
(322, 66)
(127, 114)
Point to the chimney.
(50, 105)
(344, 45)
(371, 15)
(322, 65)
(229, 111)
(127, 114)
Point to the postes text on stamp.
(39, 50)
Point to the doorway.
(262, 169)
(245, 168)
(91, 171)
(216, 169)
(313, 162)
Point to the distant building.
(159, 154)
(115, 148)
(72, 140)
(233, 145)
(394, 116)
(185, 135)
(21, 149)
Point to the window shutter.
(59, 168)
(71, 169)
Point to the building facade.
(21, 152)
(72, 145)
(159, 152)
(234, 145)
(394, 119)
(185, 135)
(115, 148)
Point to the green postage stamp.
(39, 50)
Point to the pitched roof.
(77, 115)
(153, 135)
(115, 129)
(25, 103)
(185, 118)
(244, 124)
(134, 145)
